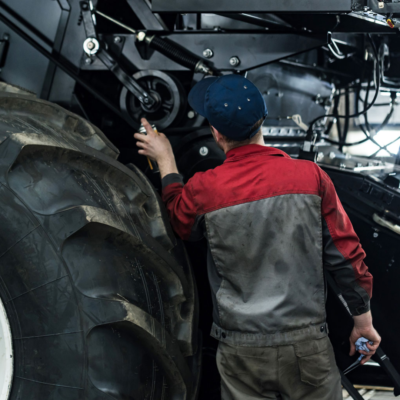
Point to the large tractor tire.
(98, 292)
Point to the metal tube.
(128, 28)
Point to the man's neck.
(259, 141)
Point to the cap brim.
(197, 95)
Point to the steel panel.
(291, 6)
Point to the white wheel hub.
(6, 355)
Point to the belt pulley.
(92, 47)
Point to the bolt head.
(234, 61)
(88, 61)
(146, 100)
(140, 36)
(366, 8)
(90, 45)
(203, 151)
(117, 39)
(375, 234)
(208, 53)
(191, 114)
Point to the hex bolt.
(208, 53)
(203, 151)
(191, 114)
(141, 36)
(117, 39)
(234, 61)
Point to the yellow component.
(390, 23)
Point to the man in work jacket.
(272, 224)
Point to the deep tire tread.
(104, 225)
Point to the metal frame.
(62, 26)
(225, 6)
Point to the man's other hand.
(156, 146)
(363, 328)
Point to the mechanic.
(272, 224)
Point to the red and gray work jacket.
(272, 224)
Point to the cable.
(377, 74)
(346, 121)
(366, 132)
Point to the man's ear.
(217, 136)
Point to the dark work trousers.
(303, 371)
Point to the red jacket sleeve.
(343, 254)
(182, 210)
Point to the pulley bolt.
(117, 39)
(203, 151)
(234, 61)
(208, 53)
(90, 45)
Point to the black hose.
(172, 51)
(378, 80)
(363, 129)
(346, 121)
(388, 116)
(365, 101)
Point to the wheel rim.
(6, 355)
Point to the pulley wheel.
(167, 92)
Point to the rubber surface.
(99, 293)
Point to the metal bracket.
(93, 47)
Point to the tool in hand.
(152, 164)
(361, 344)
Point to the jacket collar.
(253, 149)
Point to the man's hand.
(363, 327)
(157, 147)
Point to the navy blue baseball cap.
(231, 103)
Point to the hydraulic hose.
(377, 78)
(169, 49)
(178, 54)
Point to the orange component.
(390, 23)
